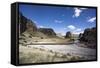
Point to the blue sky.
(61, 19)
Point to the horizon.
(60, 19)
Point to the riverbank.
(87, 45)
(54, 53)
(41, 55)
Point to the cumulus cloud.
(75, 32)
(92, 19)
(58, 21)
(78, 31)
(72, 27)
(78, 11)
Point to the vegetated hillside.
(89, 37)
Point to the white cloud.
(41, 26)
(78, 29)
(58, 21)
(75, 32)
(72, 27)
(92, 19)
(78, 11)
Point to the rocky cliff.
(47, 31)
(68, 34)
(26, 24)
(89, 36)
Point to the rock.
(26, 24)
(89, 37)
(31, 26)
(80, 35)
(47, 31)
(68, 34)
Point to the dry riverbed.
(28, 54)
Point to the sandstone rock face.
(47, 31)
(89, 36)
(26, 24)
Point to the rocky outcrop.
(47, 31)
(30, 27)
(68, 34)
(89, 37)
(26, 24)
